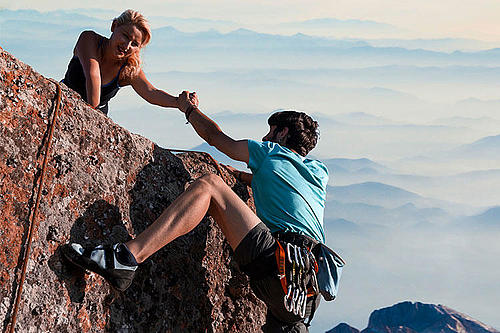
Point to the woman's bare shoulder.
(88, 39)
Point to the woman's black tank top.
(75, 79)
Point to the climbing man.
(273, 246)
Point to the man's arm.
(209, 131)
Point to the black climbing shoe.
(113, 262)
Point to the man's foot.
(113, 262)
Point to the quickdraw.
(297, 268)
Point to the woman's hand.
(193, 98)
(187, 101)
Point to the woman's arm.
(87, 53)
(154, 96)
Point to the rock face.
(408, 317)
(104, 184)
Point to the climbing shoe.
(113, 262)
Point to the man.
(289, 192)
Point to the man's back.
(289, 190)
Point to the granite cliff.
(104, 184)
(408, 317)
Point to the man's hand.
(187, 100)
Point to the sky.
(476, 19)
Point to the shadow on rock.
(101, 223)
(170, 289)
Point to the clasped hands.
(187, 100)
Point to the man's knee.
(211, 181)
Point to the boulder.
(104, 184)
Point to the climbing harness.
(297, 269)
(32, 224)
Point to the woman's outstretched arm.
(151, 94)
(87, 53)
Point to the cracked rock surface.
(104, 184)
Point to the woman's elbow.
(93, 104)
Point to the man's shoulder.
(262, 148)
(261, 144)
(317, 165)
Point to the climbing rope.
(35, 210)
(32, 225)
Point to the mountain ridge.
(417, 317)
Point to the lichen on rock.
(104, 184)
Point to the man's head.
(294, 130)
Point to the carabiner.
(289, 251)
(288, 304)
(296, 305)
(304, 305)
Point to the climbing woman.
(101, 66)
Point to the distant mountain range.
(488, 219)
(480, 155)
(337, 28)
(408, 317)
(340, 216)
(485, 148)
(374, 193)
(331, 23)
(481, 123)
(438, 44)
(359, 165)
(23, 30)
(353, 30)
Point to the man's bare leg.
(207, 194)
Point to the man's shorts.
(259, 243)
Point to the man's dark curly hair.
(302, 130)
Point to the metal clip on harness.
(301, 263)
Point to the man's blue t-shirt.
(289, 190)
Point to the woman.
(101, 66)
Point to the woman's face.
(125, 40)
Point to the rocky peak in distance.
(408, 317)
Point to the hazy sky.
(421, 18)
